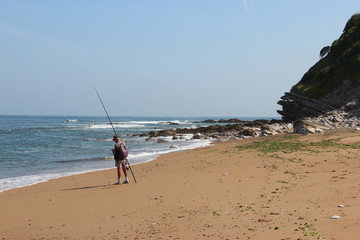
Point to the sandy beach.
(277, 187)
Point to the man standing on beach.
(120, 158)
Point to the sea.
(35, 149)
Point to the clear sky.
(160, 57)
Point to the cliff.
(332, 83)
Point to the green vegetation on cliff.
(339, 62)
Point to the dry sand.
(217, 192)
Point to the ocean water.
(35, 149)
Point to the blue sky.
(160, 57)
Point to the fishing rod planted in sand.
(127, 161)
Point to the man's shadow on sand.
(88, 187)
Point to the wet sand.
(230, 190)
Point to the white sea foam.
(99, 126)
(145, 122)
(160, 122)
(136, 124)
(24, 181)
(129, 126)
(149, 156)
(117, 125)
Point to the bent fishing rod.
(127, 161)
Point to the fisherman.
(120, 159)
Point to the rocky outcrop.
(296, 106)
(348, 116)
(233, 131)
(332, 83)
(231, 120)
(307, 126)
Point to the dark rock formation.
(231, 120)
(333, 82)
(296, 107)
(246, 129)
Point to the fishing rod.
(127, 161)
(104, 109)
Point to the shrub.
(324, 51)
(353, 21)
